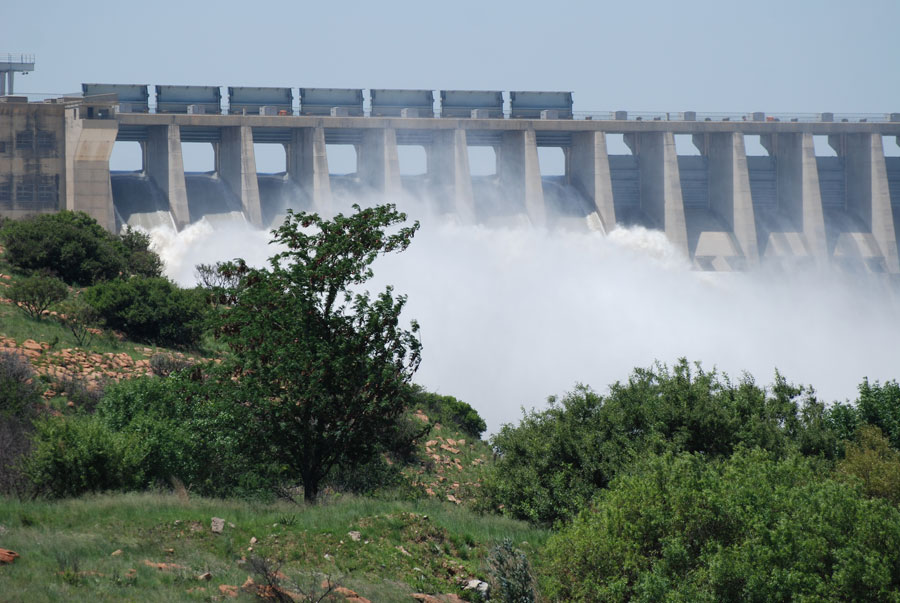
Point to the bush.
(76, 248)
(750, 528)
(208, 442)
(79, 318)
(37, 293)
(78, 454)
(152, 310)
(71, 244)
(449, 411)
(19, 397)
(555, 460)
(511, 577)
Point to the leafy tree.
(139, 258)
(749, 528)
(35, 294)
(324, 367)
(879, 405)
(874, 463)
(19, 398)
(81, 319)
(555, 460)
(154, 310)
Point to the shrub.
(76, 248)
(447, 410)
(72, 244)
(37, 293)
(78, 454)
(750, 528)
(207, 442)
(19, 397)
(152, 310)
(18, 391)
(555, 460)
(511, 574)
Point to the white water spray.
(512, 315)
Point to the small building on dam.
(725, 209)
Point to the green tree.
(871, 460)
(749, 528)
(324, 367)
(879, 405)
(140, 260)
(35, 294)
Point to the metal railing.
(12, 57)
(754, 116)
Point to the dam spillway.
(723, 209)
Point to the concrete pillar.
(308, 166)
(89, 144)
(660, 183)
(588, 171)
(868, 195)
(164, 164)
(729, 190)
(237, 168)
(520, 173)
(448, 167)
(378, 164)
(799, 197)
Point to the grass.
(67, 546)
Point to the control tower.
(10, 64)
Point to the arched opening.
(684, 145)
(753, 146)
(615, 145)
(891, 146)
(823, 149)
(552, 161)
(198, 157)
(271, 158)
(413, 160)
(127, 156)
(341, 158)
(482, 161)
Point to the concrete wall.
(89, 144)
(520, 173)
(729, 190)
(32, 158)
(589, 172)
(378, 164)
(448, 168)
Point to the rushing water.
(512, 314)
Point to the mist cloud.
(511, 315)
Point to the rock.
(228, 590)
(205, 576)
(453, 499)
(116, 553)
(354, 535)
(449, 598)
(403, 550)
(253, 540)
(217, 525)
(328, 556)
(478, 586)
(421, 416)
(31, 344)
(8, 556)
(162, 566)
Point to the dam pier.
(724, 209)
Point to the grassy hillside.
(158, 547)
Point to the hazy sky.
(703, 55)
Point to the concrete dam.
(723, 209)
